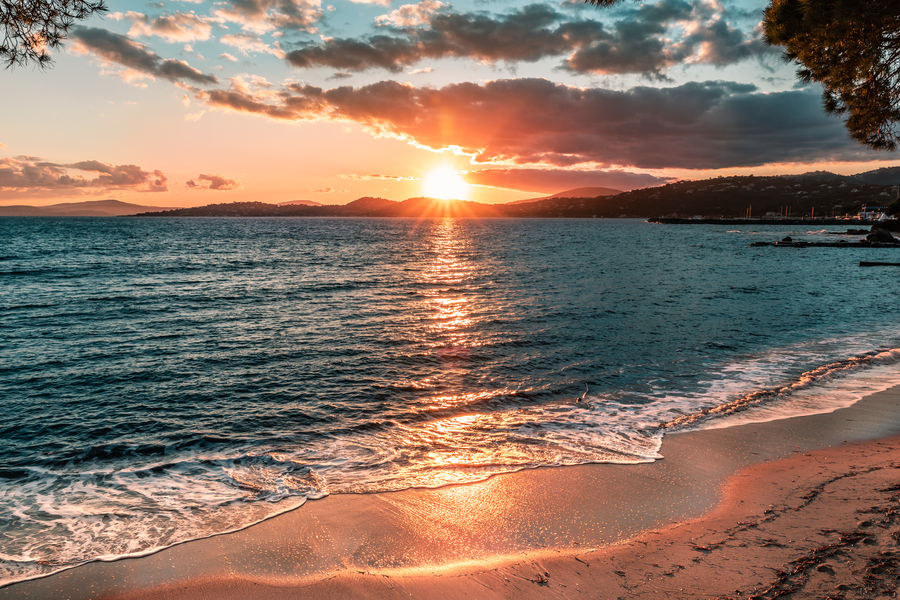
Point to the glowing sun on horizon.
(444, 183)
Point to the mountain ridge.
(87, 208)
(819, 193)
(815, 193)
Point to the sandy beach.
(807, 506)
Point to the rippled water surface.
(175, 378)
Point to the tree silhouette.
(851, 48)
(29, 28)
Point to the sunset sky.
(190, 103)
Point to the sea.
(168, 379)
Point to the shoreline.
(827, 221)
(821, 524)
(546, 511)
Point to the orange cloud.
(211, 182)
(698, 125)
(29, 174)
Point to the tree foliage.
(851, 47)
(30, 28)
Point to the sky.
(197, 102)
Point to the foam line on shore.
(810, 378)
(551, 508)
(806, 380)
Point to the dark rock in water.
(881, 236)
(789, 241)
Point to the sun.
(444, 183)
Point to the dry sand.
(808, 506)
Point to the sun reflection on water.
(451, 326)
(467, 423)
(452, 330)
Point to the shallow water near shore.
(179, 378)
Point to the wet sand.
(807, 504)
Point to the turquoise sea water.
(166, 379)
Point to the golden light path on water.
(450, 324)
(471, 436)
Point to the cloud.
(557, 180)
(410, 15)
(211, 182)
(261, 16)
(177, 27)
(717, 43)
(248, 43)
(119, 49)
(698, 125)
(29, 174)
(647, 40)
(377, 177)
(473, 35)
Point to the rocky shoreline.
(877, 237)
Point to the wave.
(781, 392)
(57, 516)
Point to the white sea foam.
(216, 493)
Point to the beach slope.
(807, 505)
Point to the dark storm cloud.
(636, 44)
(524, 36)
(28, 173)
(124, 51)
(705, 125)
(633, 45)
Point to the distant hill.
(238, 209)
(367, 206)
(361, 207)
(90, 208)
(886, 176)
(300, 203)
(582, 192)
(818, 193)
(821, 193)
(586, 192)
